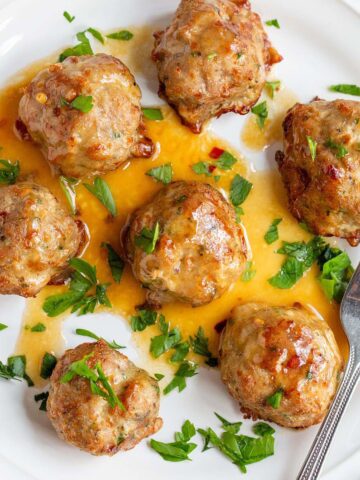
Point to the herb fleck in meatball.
(37, 239)
(200, 250)
(280, 363)
(77, 143)
(212, 59)
(323, 185)
(85, 419)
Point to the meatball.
(212, 59)
(200, 250)
(85, 419)
(37, 239)
(281, 363)
(84, 143)
(323, 186)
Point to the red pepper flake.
(211, 168)
(216, 152)
(333, 172)
(294, 362)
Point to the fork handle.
(313, 462)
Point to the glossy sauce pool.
(131, 188)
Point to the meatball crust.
(264, 350)
(81, 144)
(324, 192)
(86, 420)
(37, 239)
(200, 251)
(212, 59)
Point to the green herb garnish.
(336, 272)
(273, 87)
(312, 146)
(201, 168)
(162, 173)
(261, 112)
(69, 18)
(159, 376)
(147, 239)
(232, 427)
(339, 149)
(81, 102)
(272, 234)
(274, 400)
(9, 172)
(82, 48)
(115, 262)
(3, 326)
(100, 189)
(186, 369)
(179, 450)
(39, 327)
(153, 113)
(167, 340)
(96, 34)
(226, 161)
(42, 397)
(122, 35)
(200, 346)
(346, 88)
(67, 185)
(262, 428)
(87, 333)
(181, 351)
(239, 190)
(47, 365)
(142, 320)
(211, 56)
(273, 23)
(248, 274)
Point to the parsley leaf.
(152, 113)
(336, 272)
(179, 450)
(273, 23)
(148, 238)
(186, 369)
(87, 333)
(200, 346)
(273, 87)
(47, 365)
(142, 320)
(100, 189)
(39, 327)
(122, 35)
(69, 18)
(115, 262)
(272, 234)
(312, 146)
(42, 397)
(232, 427)
(226, 161)
(167, 340)
(162, 173)
(82, 103)
(248, 274)
(181, 351)
(82, 48)
(262, 428)
(67, 185)
(3, 326)
(339, 149)
(159, 376)
(346, 88)
(239, 190)
(15, 369)
(261, 111)
(9, 172)
(201, 168)
(274, 400)
(96, 34)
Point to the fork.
(350, 319)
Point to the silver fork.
(350, 319)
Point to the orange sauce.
(131, 188)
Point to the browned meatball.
(324, 189)
(37, 239)
(86, 420)
(212, 59)
(82, 144)
(200, 251)
(280, 363)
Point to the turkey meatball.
(79, 140)
(281, 364)
(199, 251)
(37, 239)
(212, 59)
(323, 185)
(85, 419)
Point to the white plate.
(319, 40)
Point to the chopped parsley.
(83, 279)
(262, 428)
(179, 450)
(275, 399)
(273, 23)
(144, 319)
(211, 55)
(339, 149)
(69, 18)
(152, 113)
(312, 146)
(336, 272)
(15, 369)
(87, 333)
(8, 172)
(181, 351)
(101, 190)
(272, 234)
(159, 376)
(67, 185)
(82, 48)
(239, 190)
(42, 398)
(148, 238)
(226, 161)
(232, 427)
(81, 102)
(167, 340)
(121, 35)
(248, 274)
(162, 173)
(200, 346)
(115, 262)
(348, 89)
(48, 364)
(261, 112)
(99, 383)
(186, 369)
(273, 87)
(3, 326)
(202, 168)
(96, 34)
(39, 327)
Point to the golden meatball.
(281, 364)
(84, 143)
(323, 186)
(37, 239)
(85, 419)
(212, 59)
(200, 250)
